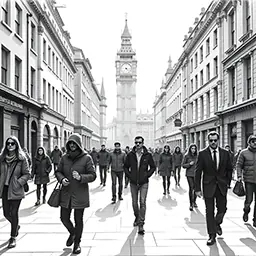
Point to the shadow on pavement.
(249, 242)
(97, 189)
(226, 249)
(179, 190)
(28, 211)
(214, 251)
(67, 251)
(111, 210)
(2, 251)
(167, 202)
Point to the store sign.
(10, 102)
(177, 123)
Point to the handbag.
(54, 199)
(239, 189)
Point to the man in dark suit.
(215, 165)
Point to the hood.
(75, 137)
(175, 150)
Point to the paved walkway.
(171, 229)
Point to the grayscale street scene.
(128, 127)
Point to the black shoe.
(113, 200)
(168, 191)
(104, 184)
(245, 217)
(191, 208)
(135, 223)
(120, 198)
(141, 230)
(70, 240)
(125, 186)
(77, 249)
(164, 193)
(219, 230)
(12, 243)
(44, 201)
(195, 205)
(37, 203)
(100, 183)
(211, 240)
(17, 232)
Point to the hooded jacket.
(146, 168)
(76, 194)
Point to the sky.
(157, 28)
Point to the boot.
(44, 201)
(164, 185)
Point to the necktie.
(215, 159)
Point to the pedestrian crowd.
(208, 172)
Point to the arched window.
(46, 138)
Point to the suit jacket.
(212, 178)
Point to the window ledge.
(207, 54)
(215, 46)
(245, 36)
(44, 61)
(6, 26)
(230, 49)
(19, 37)
(33, 51)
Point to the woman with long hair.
(42, 166)
(14, 173)
(189, 163)
(177, 160)
(166, 168)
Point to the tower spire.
(126, 32)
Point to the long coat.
(165, 164)
(19, 178)
(76, 194)
(211, 177)
(56, 156)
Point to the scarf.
(10, 159)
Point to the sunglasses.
(10, 143)
(213, 140)
(253, 141)
(138, 142)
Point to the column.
(39, 87)
(202, 142)
(40, 131)
(7, 117)
(226, 135)
(239, 134)
(254, 125)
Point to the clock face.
(126, 69)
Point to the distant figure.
(232, 158)
(177, 160)
(56, 155)
(103, 160)
(127, 150)
(156, 158)
(94, 155)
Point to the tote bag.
(54, 199)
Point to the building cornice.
(82, 127)
(198, 123)
(159, 99)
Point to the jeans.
(250, 189)
(139, 191)
(114, 177)
(192, 194)
(38, 191)
(79, 224)
(11, 211)
(103, 174)
(177, 174)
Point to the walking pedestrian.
(56, 155)
(14, 173)
(94, 155)
(232, 158)
(166, 168)
(126, 179)
(215, 165)
(139, 167)
(246, 168)
(103, 160)
(177, 160)
(116, 161)
(25, 150)
(156, 158)
(74, 172)
(189, 163)
(41, 169)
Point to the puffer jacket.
(116, 161)
(76, 194)
(103, 157)
(18, 179)
(246, 165)
(190, 169)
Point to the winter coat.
(177, 159)
(41, 169)
(116, 161)
(190, 169)
(94, 155)
(56, 156)
(76, 194)
(246, 165)
(103, 158)
(165, 164)
(146, 168)
(18, 179)
(156, 157)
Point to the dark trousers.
(139, 192)
(221, 205)
(126, 179)
(11, 211)
(250, 189)
(166, 179)
(192, 195)
(38, 191)
(114, 177)
(103, 174)
(177, 174)
(79, 224)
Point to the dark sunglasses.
(10, 143)
(138, 142)
(253, 141)
(213, 140)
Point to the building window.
(247, 16)
(248, 71)
(5, 66)
(215, 63)
(44, 50)
(53, 61)
(208, 46)
(33, 36)
(201, 53)
(196, 110)
(208, 75)
(216, 99)
(57, 100)
(202, 107)
(191, 83)
(60, 70)
(196, 60)
(215, 38)
(196, 82)
(57, 65)
(32, 82)
(53, 100)
(49, 95)
(5, 11)
(17, 74)
(191, 65)
(49, 56)
(208, 104)
(18, 19)
(232, 28)
(44, 90)
(232, 86)
(202, 77)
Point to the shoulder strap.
(13, 171)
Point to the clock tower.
(126, 78)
